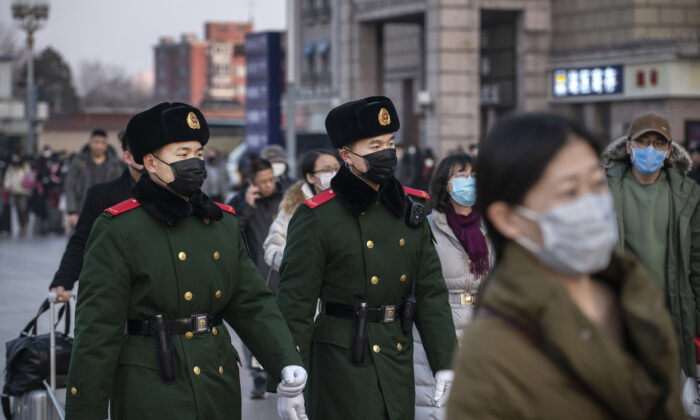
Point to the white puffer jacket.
(455, 269)
(277, 236)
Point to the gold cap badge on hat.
(192, 121)
(384, 117)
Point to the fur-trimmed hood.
(616, 153)
(295, 196)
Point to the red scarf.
(467, 229)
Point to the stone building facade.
(456, 67)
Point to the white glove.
(443, 383)
(291, 408)
(293, 381)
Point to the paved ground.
(26, 269)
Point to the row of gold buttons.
(375, 280)
(370, 244)
(182, 256)
(378, 349)
(197, 370)
(189, 295)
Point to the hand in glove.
(291, 408)
(443, 383)
(293, 381)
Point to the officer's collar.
(356, 196)
(168, 208)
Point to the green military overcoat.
(351, 243)
(135, 267)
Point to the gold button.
(206, 220)
(374, 280)
(402, 242)
(214, 330)
(189, 335)
(74, 391)
(221, 370)
(202, 322)
(218, 294)
(196, 370)
(298, 349)
(188, 295)
(402, 278)
(370, 244)
(182, 256)
(363, 213)
(217, 256)
(399, 347)
(376, 348)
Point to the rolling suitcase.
(42, 404)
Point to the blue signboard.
(263, 55)
(595, 81)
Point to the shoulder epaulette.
(317, 200)
(226, 208)
(123, 207)
(417, 193)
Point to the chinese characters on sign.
(607, 80)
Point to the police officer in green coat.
(364, 249)
(161, 273)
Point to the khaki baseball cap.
(649, 123)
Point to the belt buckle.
(389, 314)
(467, 299)
(201, 323)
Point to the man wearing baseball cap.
(658, 218)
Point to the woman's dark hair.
(439, 194)
(514, 155)
(308, 162)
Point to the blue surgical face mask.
(464, 191)
(648, 160)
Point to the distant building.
(13, 123)
(209, 70)
(456, 68)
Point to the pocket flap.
(333, 331)
(138, 356)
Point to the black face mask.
(380, 165)
(189, 175)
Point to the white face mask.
(578, 236)
(325, 180)
(279, 169)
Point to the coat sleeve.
(105, 289)
(433, 313)
(254, 314)
(301, 275)
(72, 260)
(695, 262)
(275, 241)
(69, 189)
(476, 393)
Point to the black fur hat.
(163, 124)
(361, 119)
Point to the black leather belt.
(382, 314)
(196, 324)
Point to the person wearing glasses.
(466, 256)
(658, 219)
